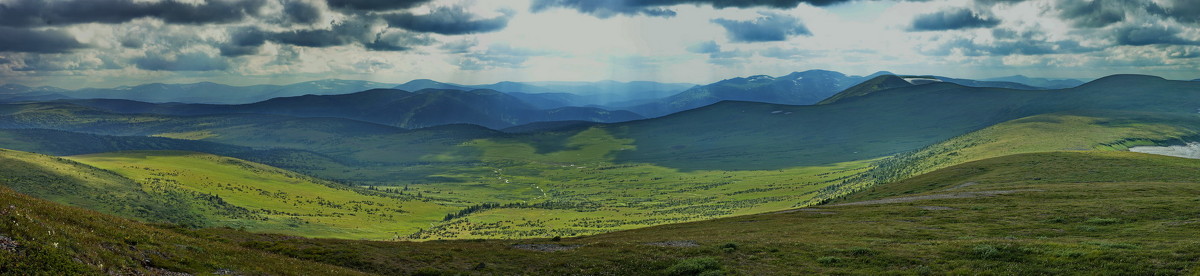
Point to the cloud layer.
(118, 42)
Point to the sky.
(109, 43)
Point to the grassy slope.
(76, 184)
(1077, 130)
(268, 199)
(53, 239)
(1114, 213)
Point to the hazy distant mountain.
(428, 107)
(559, 94)
(1040, 82)
(798, 88)
(616, 93)
(12, 88)
(994, 84)
(205, 92)
(16, 93)
(422, 84)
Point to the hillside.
(1068, 131)
(1043, 213)
(873, 85)
(236, 193)
(39, 237)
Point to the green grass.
(267, 199)
(1115, 213)
(47, 238)
(1077, 131)
(578, 190)
(76, 184)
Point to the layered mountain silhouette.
(424, 108)
(1039, 82)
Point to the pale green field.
(277, 201)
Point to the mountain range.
(424, 108)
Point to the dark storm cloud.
(247, 41)
(181, 62)
(1186, 11)
(602, 8)
(27, 13)
(301, 12)
(1149, 35)
(243, 41)
(609, 8)
(34, 41)
(952, 19)
(1094, 14)
(397, 41)
(374, 5)
(448, 21)
(770, 27)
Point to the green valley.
(1040, 213)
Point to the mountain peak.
(756, 78)
(422, 81)
(876, 84)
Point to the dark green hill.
(743, 135)
(873, 85)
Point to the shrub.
(861, 251)
(696, 266)
(828, 260)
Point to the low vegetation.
(1065, 213)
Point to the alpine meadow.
(576, 137)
